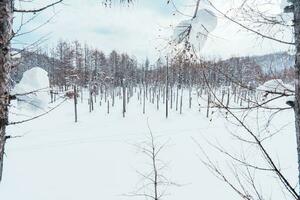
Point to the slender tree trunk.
(208, 104)
(223, 95)
(190, 97)
(107, 106)
(51, 95)
(181, 96)
(75, 102)
(105, 93)
(91, 101)
(128, 94)
(81, 96)
(113, 97)
(157, 102)
(228, 98)
(144, 100)
(155, 183)
(167, 90)
(6, 24)
(153, 94)
(124, 98)
(171, 102)
(177, 90)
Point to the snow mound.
(205, 22)
(280, 15)
(273, 88)
(32, 90)
(275, 85)
(283, 4)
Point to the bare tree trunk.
(107, 106)
(113, 97)
(51, 95)
(128, 94)
(144, 100)
(167, 90)
(171, 102)
(154, 94)
(190, 97)
(223, 95)
(75, 102)
(177, 89)
(124, 98)
(297, 79)
(91, 101)
(155, 183)
(181, 96)
(228, 98)
(105, 93)
(157, 102)
(6, 23)
(208, 104)
(81, 91)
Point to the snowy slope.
(276, 62)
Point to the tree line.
(70, 63)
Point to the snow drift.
(32, 90)
(276, 86)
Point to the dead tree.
(155, 184)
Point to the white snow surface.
(16, 55)
(283, 4)
(97, 157)
(276, 85)
(35, 84)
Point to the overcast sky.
(139, 29)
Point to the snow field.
(97, 157)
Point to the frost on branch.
(196, 30)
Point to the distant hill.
(275, 62)
(269, 63)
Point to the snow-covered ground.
(97, 158)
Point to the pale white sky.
(139, 28)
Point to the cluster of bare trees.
(71, 64)
(84, 65)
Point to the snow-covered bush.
(196, 30)
(32, 90)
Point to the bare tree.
(153, 184)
